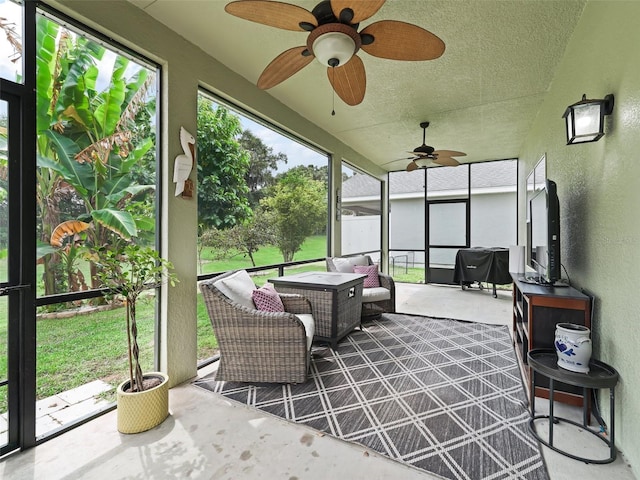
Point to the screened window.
(407, 227)
(472, 205)
(262, 196)
(361, 212)
(494, 203)
(262, 200)
(407, 210)
(96, 192)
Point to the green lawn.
(313, 247)
(81, 348)
(411, 275)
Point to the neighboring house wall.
(493, 224)
(494, 219)
(406, 223)
(599, 191)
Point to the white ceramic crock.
(573, 346)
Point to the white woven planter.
(141, 411)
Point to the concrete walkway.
(64, 408)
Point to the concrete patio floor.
(206, 436)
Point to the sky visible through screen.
(12, 14)
(297, 154)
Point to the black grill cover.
(481, 264)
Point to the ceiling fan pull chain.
(333, 93)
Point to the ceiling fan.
(425, 153)
(334, 40)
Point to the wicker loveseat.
(375, 300)
(258, 346)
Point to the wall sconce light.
(585, 119)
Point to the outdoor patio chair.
(258, 345)
(375, 300)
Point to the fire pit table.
(336, 301)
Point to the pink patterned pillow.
(371, 280)
(267, 299)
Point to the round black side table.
(544, 361)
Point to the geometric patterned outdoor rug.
(441, 395)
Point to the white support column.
(178, 325)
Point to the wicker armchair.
(375, 300)
(259, 346)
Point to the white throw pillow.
(238, 287)
(345, 265)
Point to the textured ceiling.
(481, 95)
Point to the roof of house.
(483, 175)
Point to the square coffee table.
(336, 300)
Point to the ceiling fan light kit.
(333, 49)
(422, 162)
(333, 39)
(333, 44)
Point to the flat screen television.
(544, 235)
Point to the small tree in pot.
(128, 272)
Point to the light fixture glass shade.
(585, 119)
(333, 47)
(422, 162)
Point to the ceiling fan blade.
(283, 66)
(398, 160)
(449, 153)
(274, 14)
(349, 81)
(402, 41)
(357, 11)
(412, 166)
(446, 161)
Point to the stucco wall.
(599, 190)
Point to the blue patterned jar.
(573, 346)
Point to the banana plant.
(87, 140)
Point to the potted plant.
(143, 399)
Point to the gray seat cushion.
(309, 326)
(375, 294)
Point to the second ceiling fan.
(425, 153)
(334, 40)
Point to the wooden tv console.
(536, 311)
